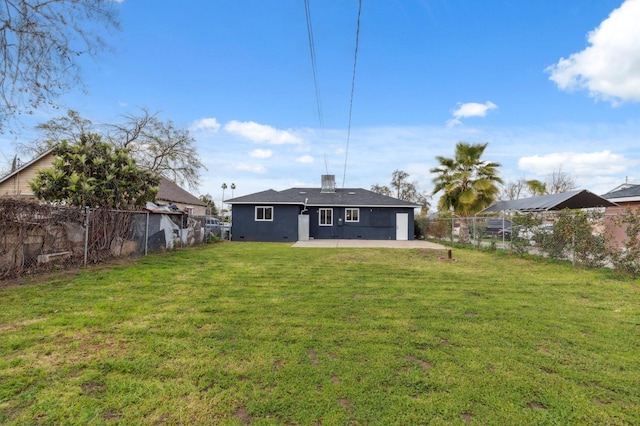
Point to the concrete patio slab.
(411, 244)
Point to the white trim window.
(325, 217)
(264, 213)
(352, 215)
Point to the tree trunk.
(464, 230)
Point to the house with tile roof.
(299, 214)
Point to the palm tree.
(536, 187)
(468, 184)
(224, 186)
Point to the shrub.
(573, 238)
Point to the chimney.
(328, 183)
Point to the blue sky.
(550, 85)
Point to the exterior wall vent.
(328, 183)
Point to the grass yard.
(258, 333)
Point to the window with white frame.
(264, 213)
(326, 217)
(352, 215)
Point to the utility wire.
(353, 85)
(312, 51)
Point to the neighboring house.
(170, 193)
(16, 185)
(626, 196)
(321, 213)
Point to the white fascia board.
(624, 199)
(300, 203)
(367, 206)
(264, 203)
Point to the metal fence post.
(146, 236)
(87, 212)
(453, 224)
(573, 239)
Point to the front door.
(402, 226)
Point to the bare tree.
(159, 146)
(403, 189)
(559, 182)
(556, 183)
(70, 127)
(40, 43)
(155, 145)
(513, 190)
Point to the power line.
(353, 85)
(326, 167)
(312, 51)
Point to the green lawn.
(239, 333)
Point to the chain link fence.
(588, 238)
(38, 237)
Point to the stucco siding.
(617, 232)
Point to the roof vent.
(328, 183)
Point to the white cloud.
(375, 152)
(253, 168)
(575, 164)
(261, 153)
(306, 159)
(261, 133)
(470, 109)
(206, 124)
(610, 67)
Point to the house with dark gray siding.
(299, 214)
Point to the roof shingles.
(169, 191)
(629, 192)
(315, 197)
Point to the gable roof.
(581, 199)
(627, 193)
(345, 197)
(26, 165)
(169, 191)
